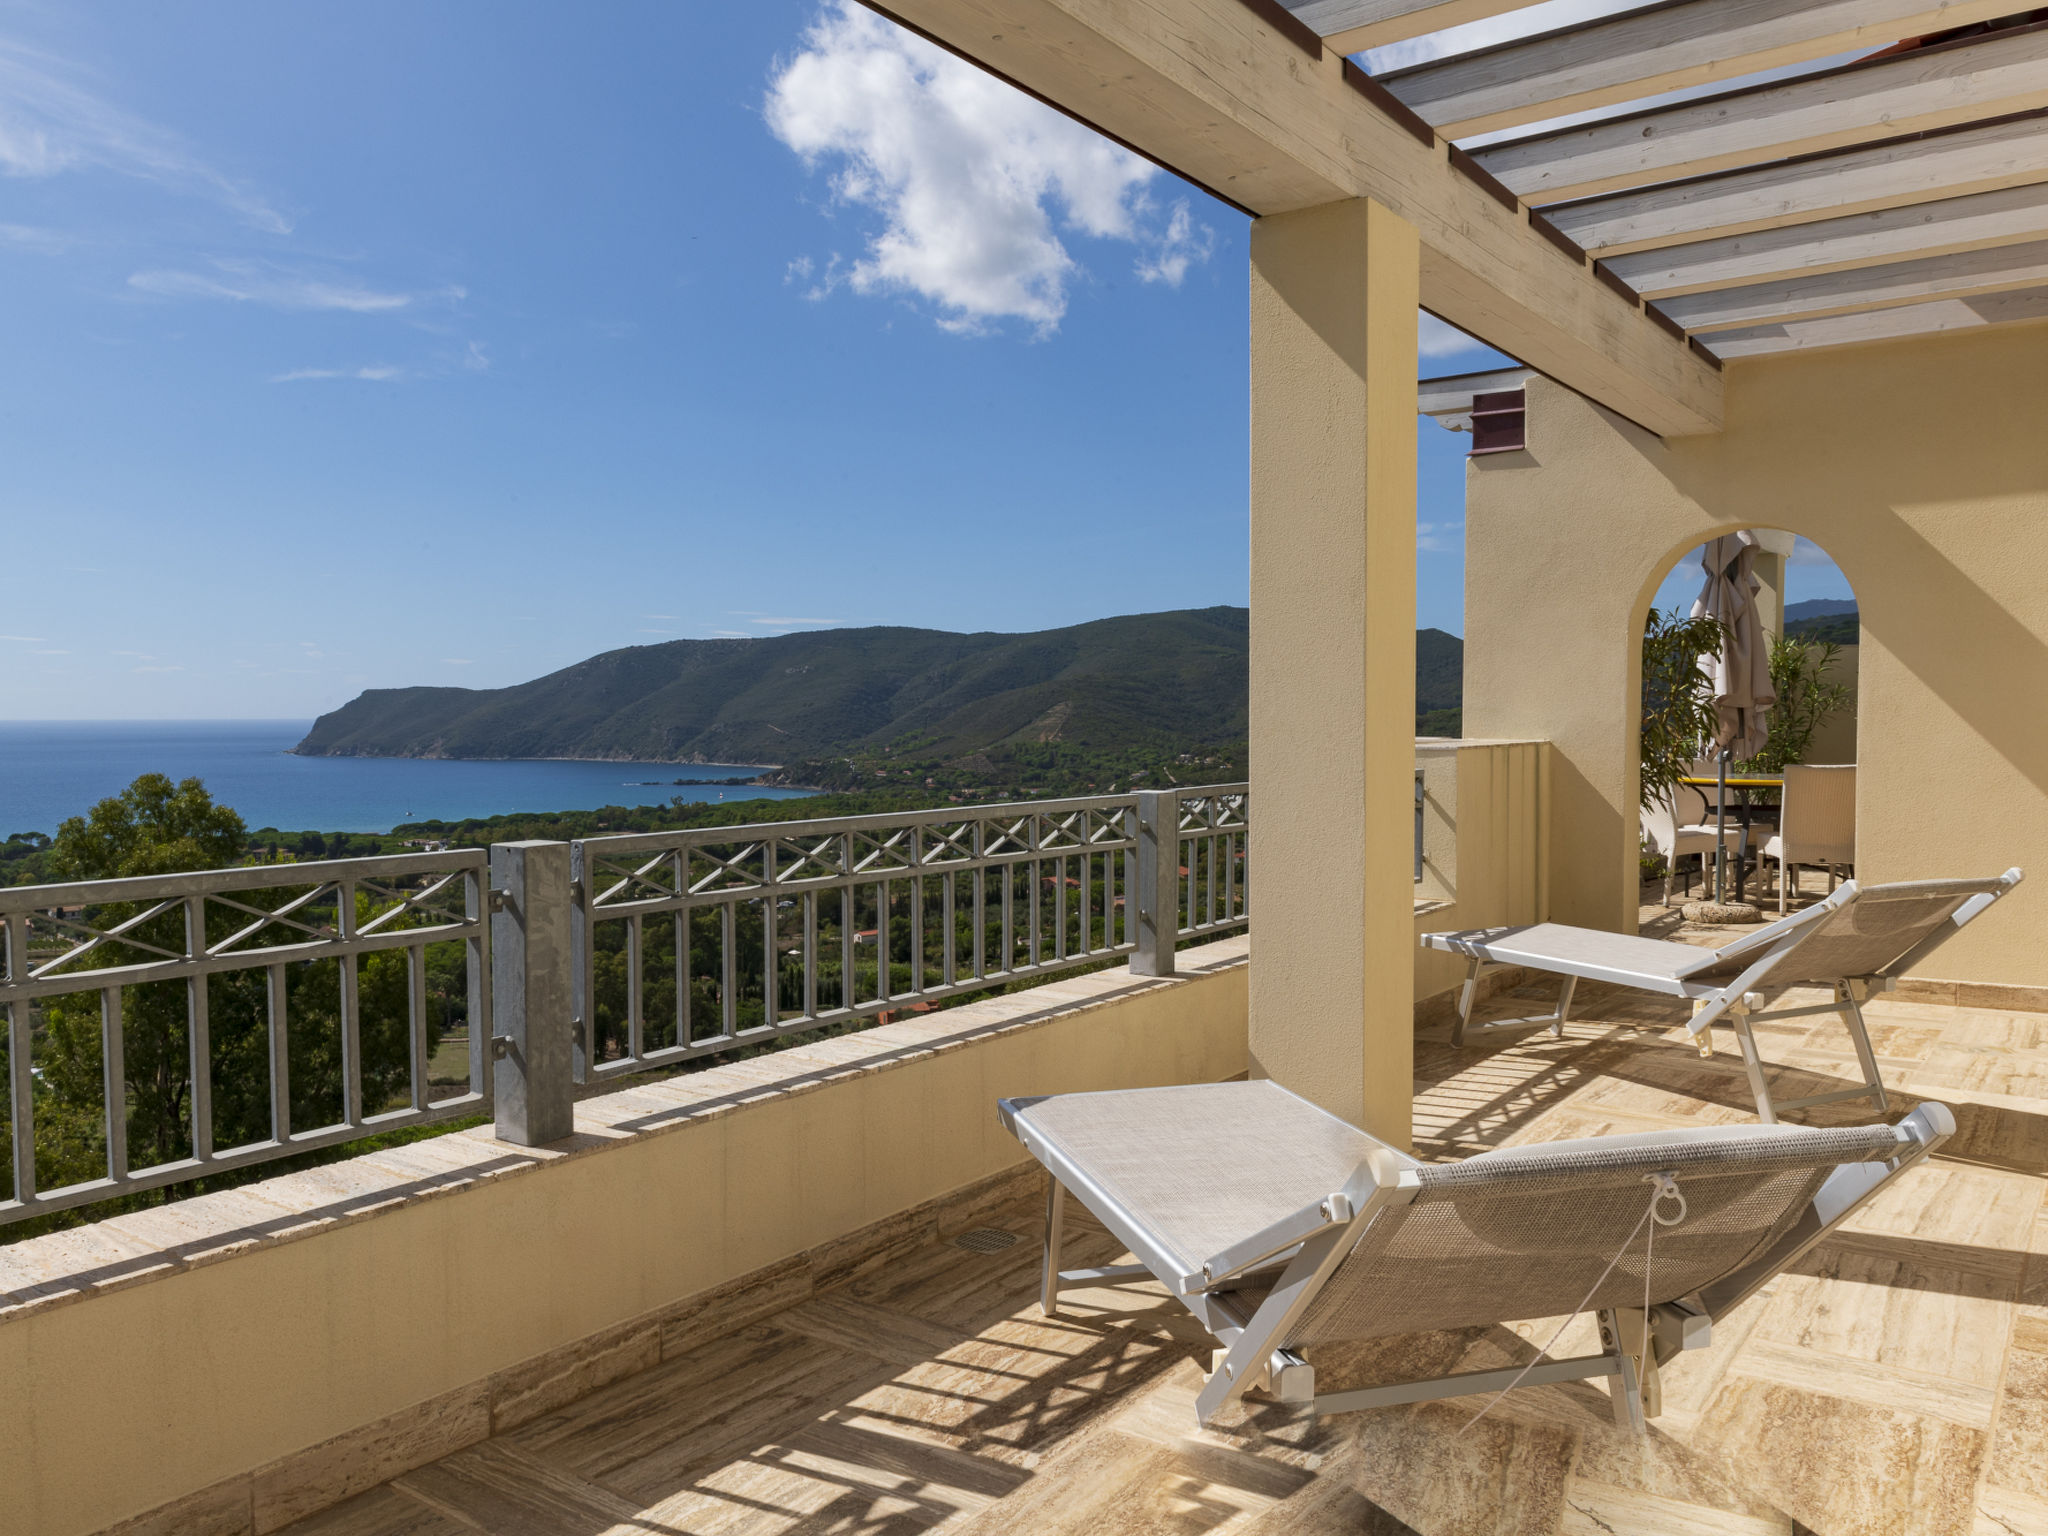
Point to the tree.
(1678, 699)
(153, 828)
(1799, 668)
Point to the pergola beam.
(1893, 174)
(1350, 26)
(1833, 293)
(1912, 92)
(1214, 91)
(1885, 324)
(1956, 224)
(1663, 48)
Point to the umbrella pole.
(1721, 832)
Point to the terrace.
(736, 1297)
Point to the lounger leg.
(1564, 1006)
(1782, 892)
(1467, 996)
(1636, 1391)
(1852, 1015)
(1753, 1065)
(1055, 1224)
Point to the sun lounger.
(1280, 1227)
(1858, 942)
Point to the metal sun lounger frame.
(1740, 999)
(1307, 1247)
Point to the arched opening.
(1766, 824)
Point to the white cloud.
(50, 124)
(1436, 338)
(277, 287)
(1438, 538)
(973, 180)
(1183, 245)
(378, 374)
(28, 237)
(767, 623)
(26, 639)
(1806, 552)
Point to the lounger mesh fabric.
(1525, 1232)
(1863, 938)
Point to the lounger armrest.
(1384, 1167)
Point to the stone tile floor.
(1898, 1382)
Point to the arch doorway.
(1810, 624)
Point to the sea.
(53, 769)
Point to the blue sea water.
(53, 769)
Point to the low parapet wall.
(230, 1363)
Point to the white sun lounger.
(1280, 1227)
(1858, 942)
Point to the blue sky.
(375, 344)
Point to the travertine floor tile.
(1893, 1384)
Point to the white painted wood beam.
(1350, 26)
(1893, 174)
(2006, 217)
(1663, 48)
(1906, 93)
(1884, 324)
(1214, 90)
(1998, 269)
(1451, 395)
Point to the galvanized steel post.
(1158, 882)
(532, 992)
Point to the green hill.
(1152, 679)
(1840, 624)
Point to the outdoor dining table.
(1735, 781)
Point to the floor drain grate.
(985, 1240)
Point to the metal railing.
(695, 942)
(165, 1028)
(1420, 801)
(1212, 823)
(234, 1016)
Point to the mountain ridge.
(1178, 677)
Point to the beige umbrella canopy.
(1741, 671)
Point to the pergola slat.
(1883, 324)
(1893, 174)
(1828, 293)
(1664, 48)
(1348, 26)
(1927, 88)
(2005, 217)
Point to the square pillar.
(1333, 368)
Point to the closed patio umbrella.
(1740, 671)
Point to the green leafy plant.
(1806, 698)
(1678, 699)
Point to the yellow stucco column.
(1333, 301)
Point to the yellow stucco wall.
(1922, 467)
(116, 1403)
